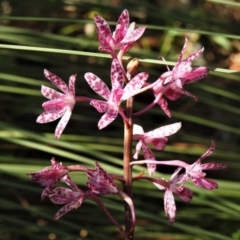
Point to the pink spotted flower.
(100, 182)
(118, 94)
(195, 171)
(157, 138)
(170, 83)
(183, 73)
(49, 176)
(60, 104)
(122, 38)
(174, 186)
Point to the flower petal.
(164, 105)
(97, 85)
(50, 116)
(116, 96)
(138, 149)
(51, 93)
(173, 93)
(164, 131)
(63, 122)
(71, 84)
(184, 193)
(158, 143)
(148, 154)
(100, 106)
(54, 105)
(207, 153)
(137, 131)
(180, 71)
(133, 36)
(183, 50)
(189, 94)
(213, 166)
(104, 32)
(56, 81)
(169, 205)
(68, 207)
(107, 118)
(116, 75)
(135, 84)
(47, 177)
(205, 183)
(62, 195)
(121, 26)
(196, 74)
(194, 55)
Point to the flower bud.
(132, 68)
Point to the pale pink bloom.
(170, 84)
(122, 38)
(60, 105)
(193, 171)
(196, 174)
(183, 73)
(116, 96)
(157, 138)
(173, 187)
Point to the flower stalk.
(127, 169)
(132, 69)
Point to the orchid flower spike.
(60, 105)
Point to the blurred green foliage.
(63, 40)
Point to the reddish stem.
(83, 99)
(127, 169)
(101, 204)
